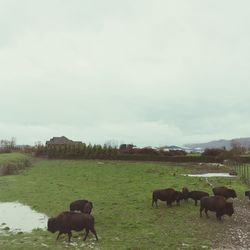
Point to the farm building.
(62, 140)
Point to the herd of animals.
(67, 221)
(79, 217)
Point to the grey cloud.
(150, 72)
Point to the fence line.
(243, 170)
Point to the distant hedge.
(14, 167)
(77, 151)
(83, 151)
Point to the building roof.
(61, 141)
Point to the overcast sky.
(143, 72)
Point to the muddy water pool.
(210, 175)
(16, 217)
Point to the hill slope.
(245, 142)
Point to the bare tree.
(8, 145)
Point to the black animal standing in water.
(67, 221)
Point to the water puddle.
(16, 217)
(210, 175)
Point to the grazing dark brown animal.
(247, 193)
(216, 204)
(197, 195)
(169, 195)
(224, 191)
(84, 206)
(179, 197)
(185, 192)
(67, 221)
(88, 208)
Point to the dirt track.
(237, 234)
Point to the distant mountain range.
(245, 142)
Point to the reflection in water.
(210, 175)
(17, 217)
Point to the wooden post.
(248, 176)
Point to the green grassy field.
(12, 157)
(121, 194)
(13, 163)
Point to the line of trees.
(77, 151)
(236, 150)
(83, 151)
(124, 152)
(7, 146)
